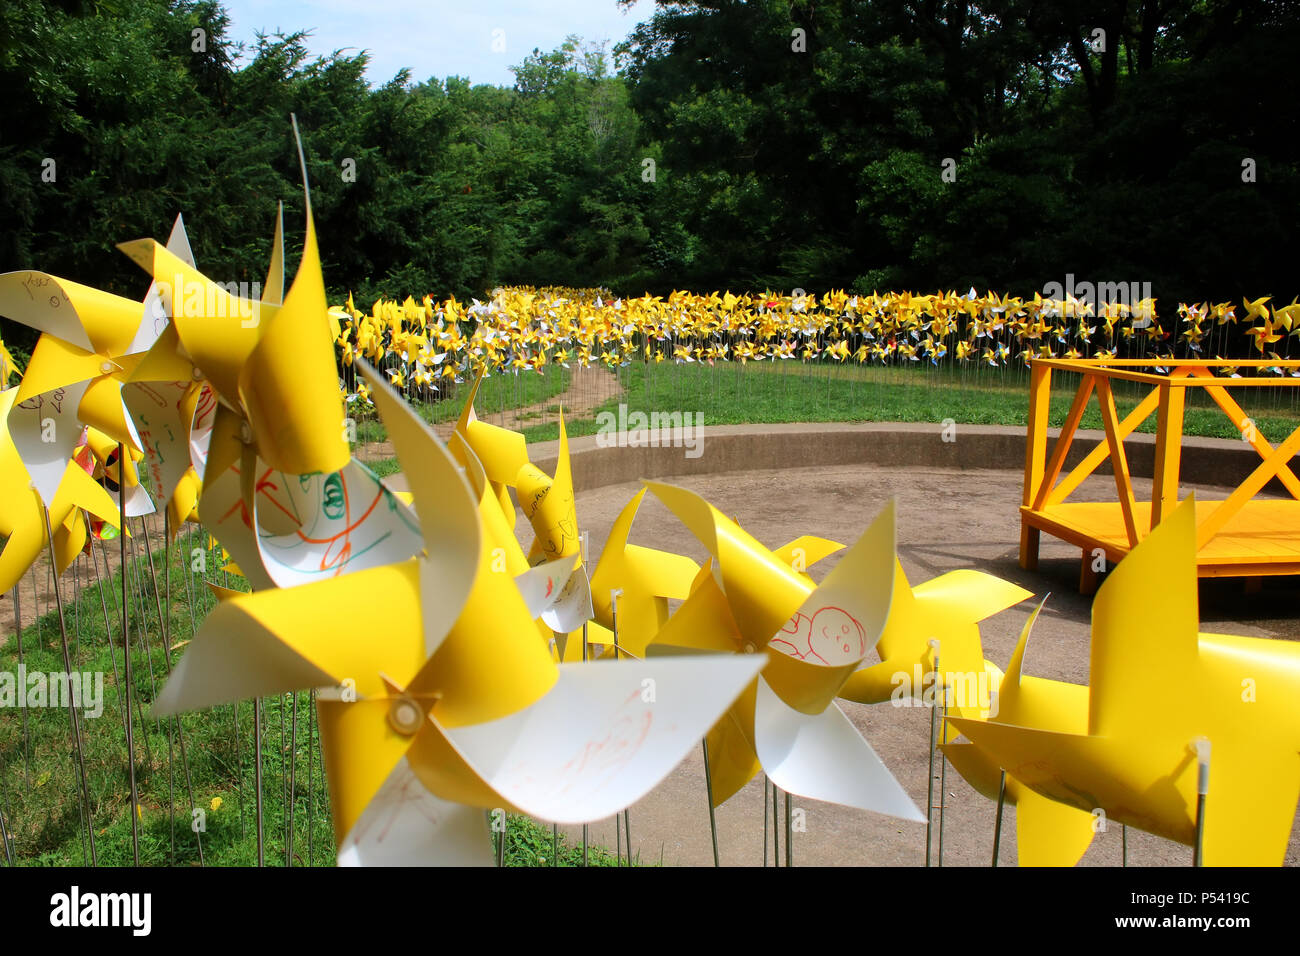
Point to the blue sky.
(437, 37)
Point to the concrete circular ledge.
(599, 460)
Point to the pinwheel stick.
(138, 589)
(929, 786)
(627, 823)
(1202, 747)
(789, 833)
(713, 820)
(257, 777)
(108, 627)
(4, 829)
(311, 761)
(36, 601)
(193, 606)
(108, 575)
(77, 749)
(76, 607)
(943, 761)
(284, 775)
(501, 841)
(126, 651)
(165, 636)
(584, 660)
(171, 738)
(18, 634)
(293, 768)
(776, 826)
(174, 730)
(997, 820)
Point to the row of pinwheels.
(427, 344)
(449, 661)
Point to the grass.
(384, 467)
(732, 395)
(770, 393)
(500, 392)
(42, 800)
(505, 392)
(528, 843)
(40, 795)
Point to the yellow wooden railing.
(1044, 486)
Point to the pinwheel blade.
(602, 738)
(823, 757)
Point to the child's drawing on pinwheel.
(830, 636)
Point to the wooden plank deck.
(1262, 538)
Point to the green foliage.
(823, 168)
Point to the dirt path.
(589, 388)
(36, 594)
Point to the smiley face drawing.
(836, 637)
(830, 636)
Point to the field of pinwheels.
(788, 358)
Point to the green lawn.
(498, 393)
(763, 393)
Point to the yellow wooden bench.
(1240, 536)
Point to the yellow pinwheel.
(309, 527)
(502, 452)
(90, 343)
(810, 638)
(8, 367)
(75, 374)
(1048, 833)
(22, 522)
(564, 599)
(451, 698)
(1158, 692)
(947, 609)
(647, 579)
(269, 362)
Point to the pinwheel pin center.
(405, 716)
